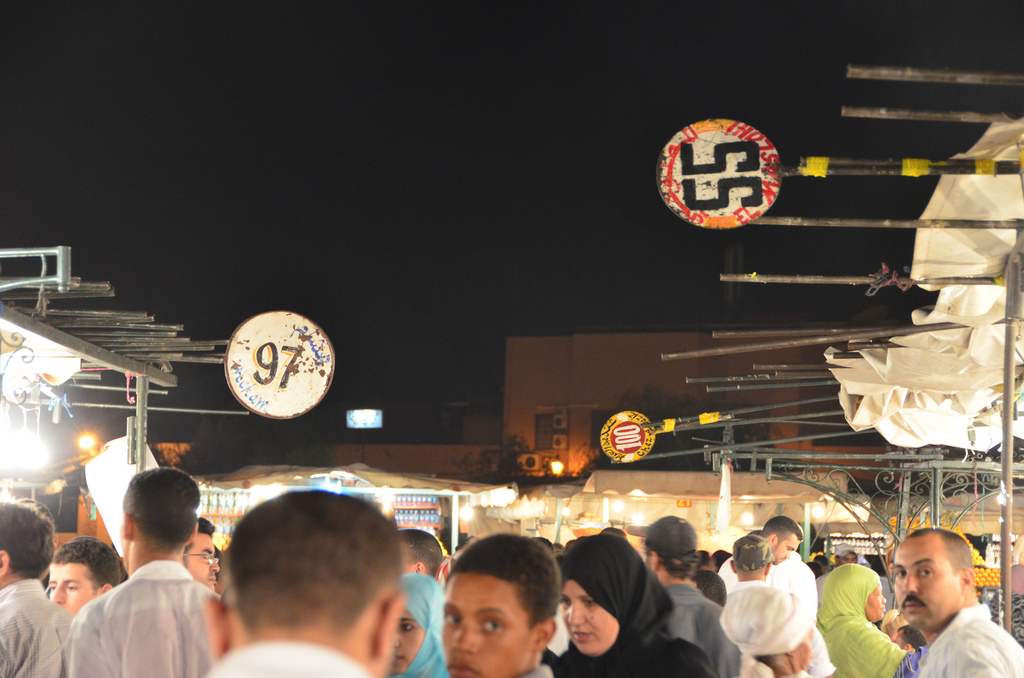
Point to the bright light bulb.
(565, 511)
(86, 442)
(466, 512)
(747, 519)
(818, 512)
(618, 506)
(557, 467)
(638, 519)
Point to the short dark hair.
(423, 547)
(27, 537)
(782, 527)
(309, 557)
(914, 637)
(614, 530)
(204, 526)
(522, 562)
(163, 503)
(720, 557)
(958, 551)
(101, 560)
(711, 586)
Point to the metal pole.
(141, 423)
(845, 279)
(1014, 317)
(907, 74)
(897, 331)
(933, 116)
(805, 547)
(889, 167)
(558, 520)
(883, 223)
(177, 410)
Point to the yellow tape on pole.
(985, 167)
(815, 167)
(916, 167)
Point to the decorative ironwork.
(13, 349)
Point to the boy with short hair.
(502, 597)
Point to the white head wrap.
(764, 621)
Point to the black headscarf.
(610, 570)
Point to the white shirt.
(32, 632)
(973, 646)
(791, 575)
(284, 659)
(821, 666)
(152, 625)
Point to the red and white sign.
(719, 174)
(624, 439)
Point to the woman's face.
(592, 628)
(407, 643)
(874, 610)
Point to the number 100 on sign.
(624, 439)
(279, 364)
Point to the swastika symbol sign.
(719, 174)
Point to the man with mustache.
(934, 581)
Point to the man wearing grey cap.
(670, 549)
(752, 560)
(845, 555)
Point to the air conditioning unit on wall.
(530, 462)
(560, 421)
(560, 441)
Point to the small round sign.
(719, 174)
(624, 439)
(279, 364)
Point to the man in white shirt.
(751, 564)
(313, 591)
(32, 628)
(153, 624)
(934, 582)
(789, 573)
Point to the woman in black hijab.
(617, 614)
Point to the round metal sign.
(719, 174)
(279, 364)
(623, 439)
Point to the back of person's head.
(816, 568)
(782, 527)
(163, 503)
(751, 553)
(912, 636)
(422, 547)
(711, 586)
(99, 559)
(26, 535)
(675, 542)
(545, 542)
(704, 560)
(615, 531)
(523, 562)
(765, 623)
(720, 557)
(310, 558)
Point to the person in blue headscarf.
(419, 649)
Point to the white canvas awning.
(944, 388)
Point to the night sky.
(424, 179)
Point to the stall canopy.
(699, 486)
(944, 388)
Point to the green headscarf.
(856, 647)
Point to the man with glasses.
(200, 555)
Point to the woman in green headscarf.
(850, 604)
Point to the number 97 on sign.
(624, 439)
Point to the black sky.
(423, 179)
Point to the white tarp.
(944, 388)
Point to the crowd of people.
(321, 584)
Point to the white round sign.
(279, 364)
(719, 174)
